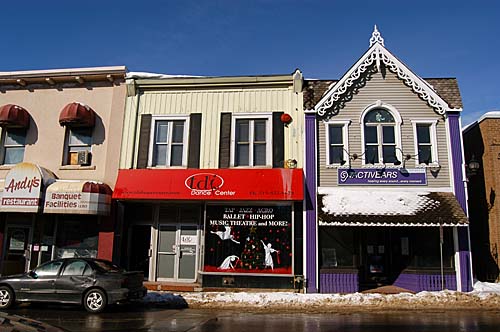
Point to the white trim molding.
(152, 138)
(377, 54)
(268, 116)
(345, 140)
(433, 135)
(397, 131)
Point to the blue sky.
(438, 38)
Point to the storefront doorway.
(17, 245)
(163, 241)
(177, 252)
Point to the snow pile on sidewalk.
(485, 295)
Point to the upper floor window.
(251, 141)
(169, 143)
(78, 145)
(337, 145)
(380, 137)
(425, 141)
(13, 143)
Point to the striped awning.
(78, 197)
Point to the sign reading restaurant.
(23, 188)
(377, 176)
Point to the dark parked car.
(95, 283)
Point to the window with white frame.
(13, 143)
(380, 137)
(77, 140)
(425, 141)
(169, 144)
(251, 141)
(337, 142)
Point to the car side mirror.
(33, 274)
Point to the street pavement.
(140, 317)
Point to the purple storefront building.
(385, 201)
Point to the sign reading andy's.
(377, 176)
(23, 188)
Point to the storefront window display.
(242, 239)
(77, 236)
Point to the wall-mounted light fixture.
(286, 119)
(291, 163)
(472, 167)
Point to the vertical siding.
(390, 90)
(211, 103)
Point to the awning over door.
(78, 197)
(349, 207)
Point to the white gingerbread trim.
(378, 54)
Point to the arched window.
(380, 137)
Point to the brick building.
(482, 144)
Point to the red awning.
(276, 184)
(77, 115)
(13, 116)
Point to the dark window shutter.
(225, 140)
(278, 141)
(144, 134)
(194, 140)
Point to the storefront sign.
(76, 203)
(23, 188)
(248, 239)
(377, 176)
(189, 240)
(210, 184)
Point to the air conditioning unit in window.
(83, 157)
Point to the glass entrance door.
(177, 252)
(17, 253)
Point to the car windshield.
(108, 266)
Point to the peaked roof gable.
(377, 54)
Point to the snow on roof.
(140, 74)
(487, 115)
(340, 201)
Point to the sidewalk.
(485, 296)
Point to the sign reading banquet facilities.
(210, 184)
(248, 239)
(378, 176)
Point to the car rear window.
(108, 266)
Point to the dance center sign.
(378, 176)
(210, 184)
(248, 239)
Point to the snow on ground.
(484, 296)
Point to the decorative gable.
(377, 59)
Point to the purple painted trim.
(456, 157)
(310, 197)
(338, 282)
(459, 182)
(425, 282)
(465, 275)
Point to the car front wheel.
(6, 297)
(95, 300)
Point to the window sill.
(6, 167)
(76, 167)
(433, 165)
(166, 167)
